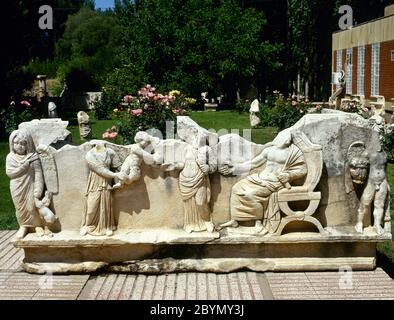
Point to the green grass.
(7, 212)
(226, 121)
(98, 127)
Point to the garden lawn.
(228, 120)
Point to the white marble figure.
(376, 192)
(254, 113)
(27, 185)
(52, 112)
(85, 129)
(254, 198)
(195, 187)
(98, 218)
(131, 166)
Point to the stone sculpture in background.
(195, 187)
(27, 186)
(254, 113)
(369, 171)
(254, 198)
(98, 218)
(52, 110)
(85, 130)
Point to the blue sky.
(104, 4)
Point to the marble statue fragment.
(98, 218)
(254, 113)
(195, 187)
(85, 130)
(52, 110)
(27, 185)
(131, 166)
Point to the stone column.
(42, 86)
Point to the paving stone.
(202, 286)
(191, 292)
(158, 291)
(127, 288)
(170, 286)
(234, 286)
(180, 286)
(148, 288)
(224, 290)
(213, 289)
(138, 287)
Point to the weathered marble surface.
(149, 213)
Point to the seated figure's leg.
(246, 203)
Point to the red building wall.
(354, 70)
(386, 81)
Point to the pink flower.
(113, 135)
(306, 100)
(148, 86)
(293, 96)
(136, 112)
(151, 94)
(106, 135)
(294, 103)
(128, 99)
(25, 103)
(318, 106)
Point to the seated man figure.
(254, 198)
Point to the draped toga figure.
(27, 185)
(254, 198)
(195, 187)
(98, 218)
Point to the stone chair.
(314, 162)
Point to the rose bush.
(149, 109)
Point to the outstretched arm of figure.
(246, 166)
(101, 170)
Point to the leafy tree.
(88, 49)
(23, 40)
(196, 45)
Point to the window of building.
(392, 55)
(375, 70)
(361, 70)
(339, 64)
(349, 69)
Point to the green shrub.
(116, 85)
(16, 113)
(243, 106)
(286, 112)
(387, 137)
